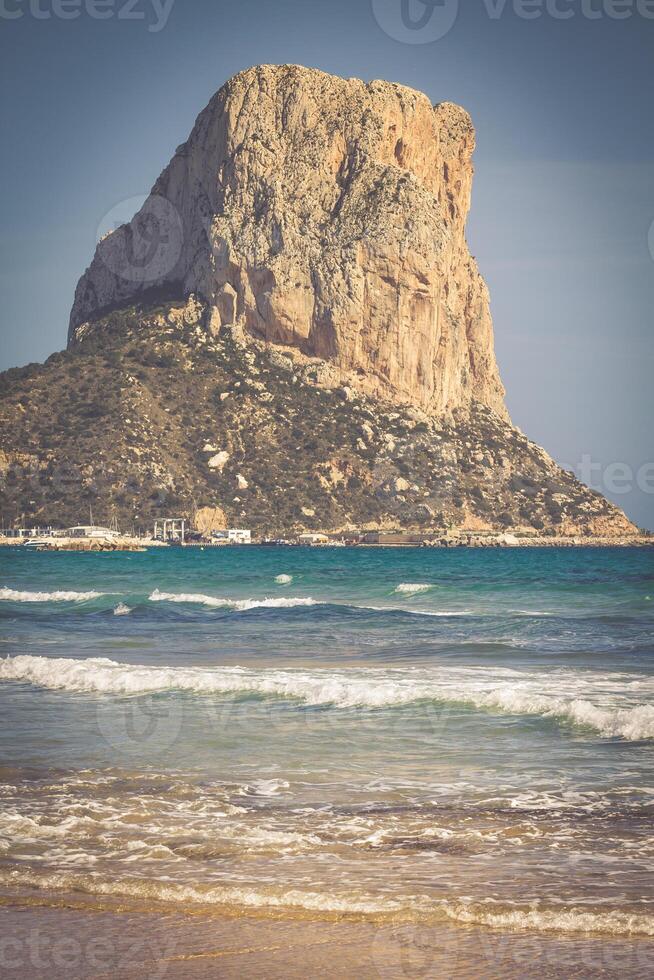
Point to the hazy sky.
(561, 93)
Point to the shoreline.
(458, 542)
(65, 938)
(325, 787)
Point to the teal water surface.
(405, 732)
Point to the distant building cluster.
(177, 530)
(232, 536)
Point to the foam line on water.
(413, 588)
(420, 612)
(243, 605)
(239, 605)
(15, 595)
(571, 920)
(580, 698)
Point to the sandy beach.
(67, 940)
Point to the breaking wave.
(241, 605)
(413, 588)
(161, 891)
(615, 923)
(579, 698)
(13, 595)
(283, 579)
(244, 605)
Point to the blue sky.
(92, 110)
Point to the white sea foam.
(283, 579)
(420, 612)
(240, 605)
(443, 612)
(162, 891)
(613, 705)
(264, 787)
(413, 588)
(243, 605)
(122, 830)
(14, 595)
(611, 922)
(122, 610)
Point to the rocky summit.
(290, 334)
(326, 215)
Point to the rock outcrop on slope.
(290, 335)
(324, 214)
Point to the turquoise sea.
(461, 736)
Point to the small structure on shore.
(392, 538)
(25, 533)
(90, 531)
(313, 538)
(170, 529)
(232, 536)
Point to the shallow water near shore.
(404, 739)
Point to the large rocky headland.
(291, 334)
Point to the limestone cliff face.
(324, 214)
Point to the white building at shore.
(232, 536)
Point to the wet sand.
(65, 942)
